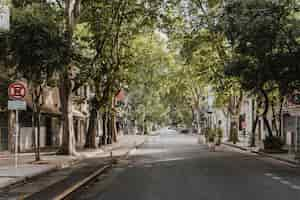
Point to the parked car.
(184, 131)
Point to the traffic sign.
(16, 105)
(17, 91)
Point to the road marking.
(276, 178)
(295, 187)
(268, 174)
(285, 182)
(282, 181)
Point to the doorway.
(3, 139)
(49, 131)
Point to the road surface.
(172, 166)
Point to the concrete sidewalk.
(27, 169)
(244, 145)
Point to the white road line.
(295, 187)
(282, 181)
(276, 178)
(268, 174)
(285, 182)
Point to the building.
(291, 124)
(51, 129)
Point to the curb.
(235, 146)
(23, 180)
(85, 181)
(276, 158)
(52, 168)
(81, 183)
(262, 154)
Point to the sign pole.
(17, 139)
(17, 93)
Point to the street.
(172, 166)
(87, 87)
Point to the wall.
(56, 130)
(26, 142)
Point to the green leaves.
(264, 41)
(146, 74)
(35, 45)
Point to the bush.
(211, 135)
(273, 143)
(219, 135)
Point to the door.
(49, 134)
(3, 139)
(3, 131)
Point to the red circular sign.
(17, 91)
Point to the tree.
(205, 51)
(71, 14)
(264, 39)
(113, 24)
(146, 75)
(36, 51)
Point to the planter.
(274, 151)
(273, 144)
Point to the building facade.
(50, 122)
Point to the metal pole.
(16, 139)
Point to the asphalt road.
(171, 166)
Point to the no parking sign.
(16, 93)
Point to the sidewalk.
(244, 145)
(26, 169)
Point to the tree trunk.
(280, 115)
(198, 120)
(71, 14)
(38, 119)
(266, 122)
(254, 131)
(114, 128)
(193, 116)
(265, 113)
(110, 129)
(36, 110)
(92, 130)
(68, 139)
(274, 120)
(104, 129)
(114, 121)
(34, 131)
